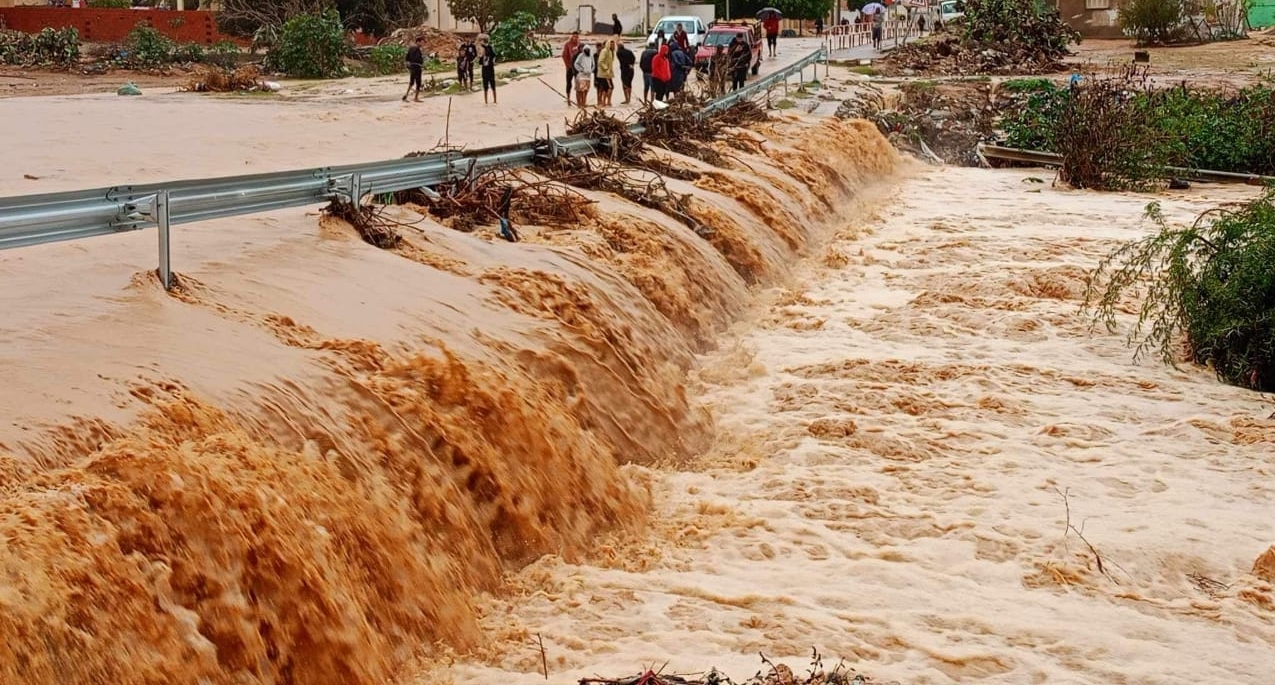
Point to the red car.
(721, 33)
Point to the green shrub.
(147, 47)
(1108, 136)
(224, 54)
(1026, 24)
(387, 59)
(513, 39)
(1197, 128)
(188, 53)
(59, 47)
(111, 4)
(49, 47)
(1152, 21)
(1035, 105)
(1210, 282)
(311, 46)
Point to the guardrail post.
(165, 257)
(356, 189)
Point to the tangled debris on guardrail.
(627, 164)
(369, 221)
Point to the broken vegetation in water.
(1209, 285)
(776, 674)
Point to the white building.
(582, 16)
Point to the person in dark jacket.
(415, 67)
(682, 66)
(645, 65)
(488, 64)
(626, 58)
(741, 57)
(466, 56)
(616, 28)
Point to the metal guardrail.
(1053, 159)
(764, 84)
(54, 217)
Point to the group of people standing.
(594, 67)
(665, 64)
(466, 54)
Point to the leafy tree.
(377, 17)
(805, 9)
(1152, 21)
(1210, 283)
(484, 13)
(512, 39)
(311, 46)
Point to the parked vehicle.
(722, 33)
(694, 27)
(949, 10)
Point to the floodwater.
(927, 464)
(315, 461)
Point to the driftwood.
(775, 674)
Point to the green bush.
(224, 54)
(49, 47)
(1035, 104)
(59, 47)
(111, 4)
(1152, 21)
(1022, 23)
(1210, 282)
(513, 39)
(387, 59)
(1198, 128)
(188, 53)
(311, 46)
(147, 47)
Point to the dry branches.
(639, 186)
(369, 221)
(1069, 527)
(217, 80)
(488, 196)
(777, 674)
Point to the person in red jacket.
(569, 52)
(771, 24)
(661, 73)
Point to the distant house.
(1092, 18)
(1100, 18)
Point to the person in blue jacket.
(682, 66)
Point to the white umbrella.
(872, 8)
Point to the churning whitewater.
(928, 464)
(313, 460)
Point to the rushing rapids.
(304, 463)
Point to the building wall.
(108, 25)
(1092, 18)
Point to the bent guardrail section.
(27, 220)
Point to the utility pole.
(646, 24)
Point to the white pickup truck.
(694, 27)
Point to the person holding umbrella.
(769, 17)
(876, 11)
